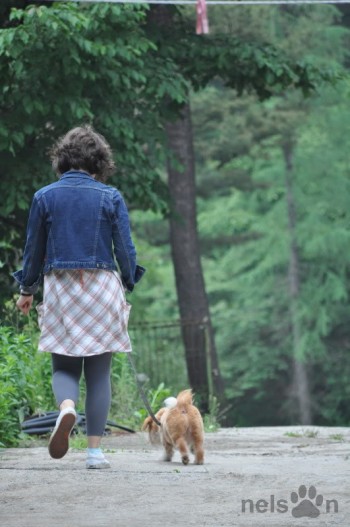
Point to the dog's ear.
(147, 424)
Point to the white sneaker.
(59, 440)
(97, 461)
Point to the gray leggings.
(66, 372)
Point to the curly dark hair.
(83, 148)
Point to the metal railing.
(159, 354)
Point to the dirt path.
(250, 478)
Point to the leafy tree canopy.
(120, 69)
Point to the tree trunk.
(301, 390)
(193, 303)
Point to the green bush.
(124, 392)
(127, 406)
(155, 398)
(25, 382)
(26, 385)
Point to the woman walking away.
(76, 227)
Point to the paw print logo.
(307, 502)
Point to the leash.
(142, 393)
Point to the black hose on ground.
(45, 423)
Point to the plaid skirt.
(83, 313)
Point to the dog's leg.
(199, 454)
(197, 446)
(182, 446)
(169, 451)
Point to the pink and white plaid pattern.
(84, 313)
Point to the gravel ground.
(251, 477)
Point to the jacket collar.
(76, 173)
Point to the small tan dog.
(182, 428)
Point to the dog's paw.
(185, 460)
(199, 457)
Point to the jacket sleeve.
(29, 278)
(124, 249)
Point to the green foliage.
(311, 434)
(154, 298)
(125, 75)
(106, 74)
(26, 387)
(116, 69)
(78, 441)
(243, 224)
(249, 249)
(337, 437)
(97, 51)
(22, 371)
(211, 419)
(293, 434)
(155, 398)
(125, 401)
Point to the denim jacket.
(77, 223)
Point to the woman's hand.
(24, 303)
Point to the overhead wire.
(211, 2)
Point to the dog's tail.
(170, 402)
(184, 399)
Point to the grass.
(337, 437)
(312, 434)
(210, 423)
(293, 434)
(210, 420)
(78, 441)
